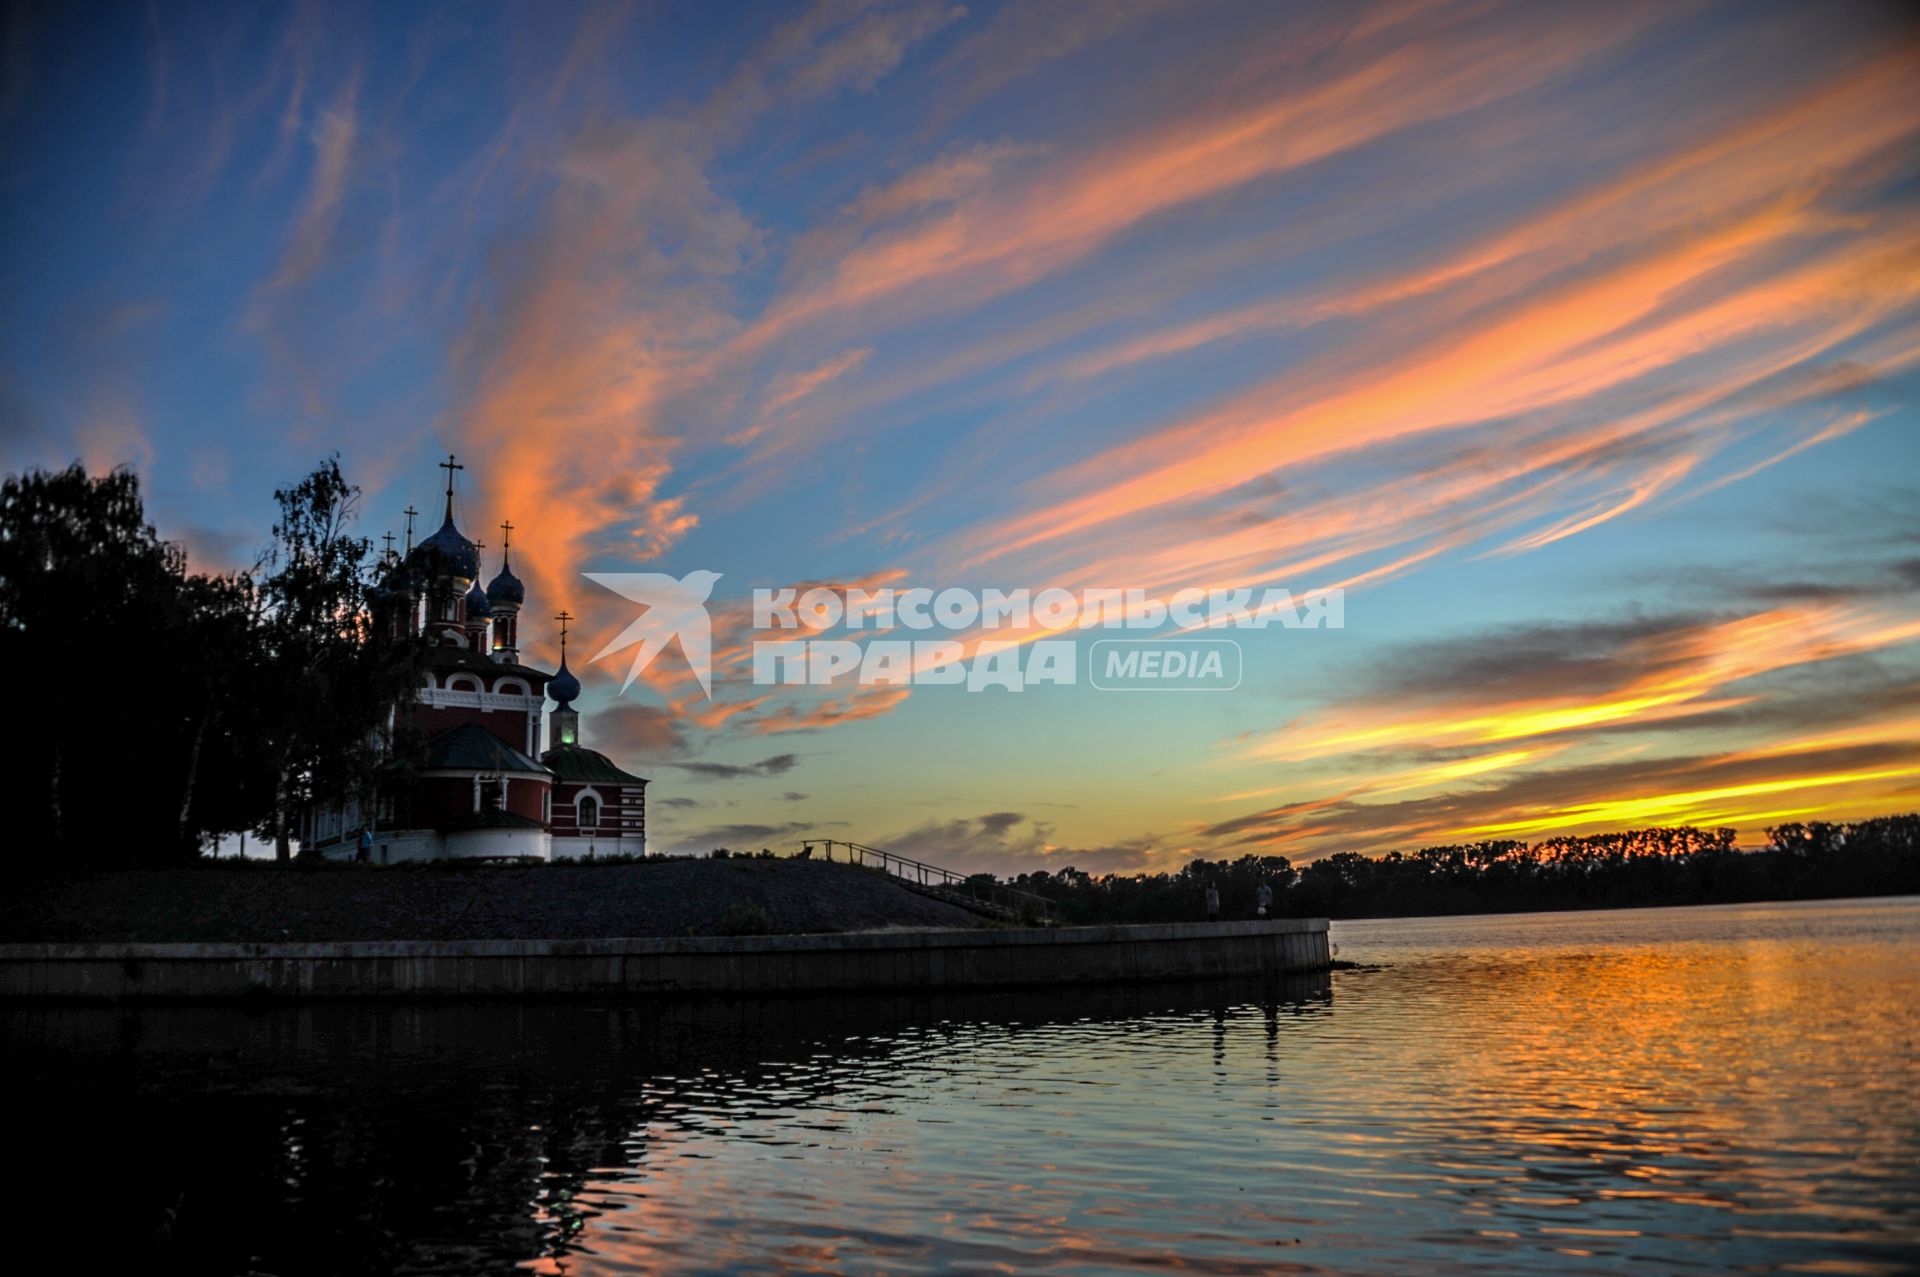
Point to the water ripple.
(1674, 1090)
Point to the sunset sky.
(1578, 342)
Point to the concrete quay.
(665, 965)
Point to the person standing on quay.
(1265, 899)
(1213, 903)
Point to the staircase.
(953, 896)
(989, 899)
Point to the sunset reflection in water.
(1714, 1088)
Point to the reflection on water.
(1715, 1089)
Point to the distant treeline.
(1682, 866)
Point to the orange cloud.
(1752, 190)
(787, 391)
(1800, 149)
(1003, 240)
(1803, 780)
(565, 383)
(1543, 352)
(1659, 677)
(859, 704)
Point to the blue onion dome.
(449, 553)
(564, 687)
(506, 588)
(477, 603)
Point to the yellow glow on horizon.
(1691, 806)
(1413, 777)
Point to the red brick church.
(472, 780)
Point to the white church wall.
(390, 847)
(607, 843)
(480, 844)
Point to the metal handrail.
(1020, 903)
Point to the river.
(1705, 1089)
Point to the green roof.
(472, 748)
(576, 762)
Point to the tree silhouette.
(163, 707)
(1634, 867)
(329, 678)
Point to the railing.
(1010, 900)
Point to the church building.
(469, 775)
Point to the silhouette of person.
(1213, 903)
(1265, 898)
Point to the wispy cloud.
(788, 390)
(1012, 843)
(855, 705)
(1005, 239)
(778, 765)
(1639, 679)
(335, 135)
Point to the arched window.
(589, 812)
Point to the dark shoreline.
(227, 903)
(1626, 908)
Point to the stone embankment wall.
(892, 960)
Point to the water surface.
(1717, 1089)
